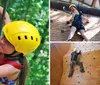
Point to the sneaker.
(68, 40)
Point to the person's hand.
(87, 21)
(6, 18)
(68, 22)
(80, 52)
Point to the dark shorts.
(78, 25)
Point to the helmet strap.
(7, 55)
(17, 57)
(13, 53)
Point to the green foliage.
(35, 12)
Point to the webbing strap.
(7, 55)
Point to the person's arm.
(7, 70)
(79, 52)
(6, 18)
(71, 19)
(73, 14)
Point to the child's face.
(5, 46)
(72, 9)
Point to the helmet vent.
(31, 37)
(25, 37)
(19, 38)
(36, 39)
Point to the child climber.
(75, 60)
(20, 38)
(77, 24)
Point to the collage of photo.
(75, 42)
(49, 42)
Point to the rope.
(3, 15)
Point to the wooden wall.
(56, 61)
(60, 62)
(91, 63)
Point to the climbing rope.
(3, 15)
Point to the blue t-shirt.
(77, 19)
(77, 22)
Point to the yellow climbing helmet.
(72, 5)
(22, 35)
